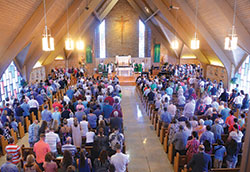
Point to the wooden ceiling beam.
(205, 34)
(108, 9)
(25, 35)
(179, 29)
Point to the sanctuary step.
(127, 80)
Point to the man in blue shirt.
(207, 135)
(26, 108)
(40, 99)
(70, 93)
(225, 112)
(107, 110)
(8, 166)
(165, 117)
(46, 114)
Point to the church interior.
(124, 85)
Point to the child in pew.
(219, 152)
(14, 125)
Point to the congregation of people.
(197, 114)
(82, 131)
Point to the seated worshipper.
(76, 133)
(165, 117)
(92, 119)
(207, 135)
(189, 108)
(68, 146)
(64, 131)
(53, 140)
(79, 113)
(90, 137)
(115, 138)
(107, 110)
(57, 105)
(46, 114)
(180, 141)
(192, 146)
(41, 148)
(33, 133)
(49, 165)
(102, 162)
(217, 129)
(66, 161)
(200, 128)
(116, 122)
(200, 161)
(219, 153)
(84, 163)
(31, 165)
(9, 166)
(57, 115)
(14, 150)
(119, 160)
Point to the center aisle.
(142, 145)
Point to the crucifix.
(122, 21)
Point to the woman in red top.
(192, 146)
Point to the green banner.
(89, 54)
(157, 53)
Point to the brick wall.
(113, 31)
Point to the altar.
(123, 65)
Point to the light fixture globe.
(175, 44)
(69, 43)
(195, 43)
(80, 45)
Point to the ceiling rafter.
(205, 34)
(179, 29)
(24, 36)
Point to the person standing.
(9, 166)
(14, 150)
(53, 140)
(41, 148)
(46, 115)
(119, 160)
(200, 161)
(33, 133)
(76, 133)
(34, 106)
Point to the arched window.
(10, 82)
(102, 40)
(141, 39)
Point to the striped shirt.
(69, 147)
(14, 150)
(52, 139)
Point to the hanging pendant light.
(175, 43)
(47, 40)
(195, 42)
(69, 43)
(79, 42)
(231, 40)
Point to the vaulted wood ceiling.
(22, 24)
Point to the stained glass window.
(141, 39)
(102, 40)
(10, 82)
(242, 76)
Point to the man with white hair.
(68, 146)
(189, 108)
(116, 122)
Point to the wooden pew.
(165, 144)
(27, 123)
(33, 117)
(170, 152)
(39, 115)
(13, 135)
(155, 121)
(21, 130)
(4, 143)
(158, 127)
(225, 169)
(179, 161)
(162, 134)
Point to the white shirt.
(90, 137)
(33, 103)
(208, 100)
(70, 121)
(172, 109)
(120, 161)
(84, 126)
(52, 139)
(236, 136)
(66, 99)
(238, 100)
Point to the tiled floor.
(143, 146)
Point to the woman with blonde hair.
(31, 165)
(56, 126)
(64, 131)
